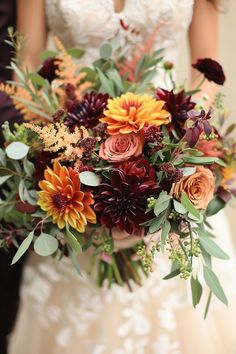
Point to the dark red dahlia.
(138, 166)
(88, 111)
(48, 69)
(121, 202)
(211, 69)
(178, 104)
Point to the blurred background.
(227, 60)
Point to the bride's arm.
(31, 21)
(203, 41)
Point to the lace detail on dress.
(88, 24)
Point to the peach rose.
(121, 147)
(199, 187)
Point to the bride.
(64, 313)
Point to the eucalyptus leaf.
(3, 161)
(76, 53)
(106, 51)
(28, 167)
(164, 233)
(47, 54)
(179, 207)
(188, 171)
(90, 178)
(215, 205)
(23, 247)
(203, 160)
(45, 245)
(172, 274)
(37, 79)
(214, 284)
(74, 261)
(196, 288)
(17, 150)
(3, 179)
(189, 206)
(212, 248)
(72, 240)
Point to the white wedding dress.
(62, 313)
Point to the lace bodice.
(87, 24)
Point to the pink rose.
(121, 147)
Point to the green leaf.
(3, 179)
(196, 288)
(106, 51)
(90, 178)
(37, 79)
(215, 205)
(3, 161)
(179, 207)
(106, 84)
(17, 150)
(21, 188)
(74, 261)
(75, 52)
(188, 171)
(214, 284)
(28, 167)
(212, 248)
(203, 160)
(23, 247)
(90, 74)
(156, 224)
(164, 233)
(188, 205)
(162, 203)
(230, 129)
(47, 54)
(172, 274)
(45, 245)
(72, 240)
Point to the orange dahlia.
(130, 113)
(63, 200)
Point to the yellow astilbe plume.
(20, 96)
(67, 72)
(57, 138)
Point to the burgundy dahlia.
(88, 111)
(211, 69)
(138, 166)
(48, 69)
(121, 202)
(178, 104)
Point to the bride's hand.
(124, 240)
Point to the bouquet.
(110, 163)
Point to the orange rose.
(121, 147)
(199, 187)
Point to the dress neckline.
(118, 13)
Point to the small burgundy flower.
(138, 166)
(88, 111)
(178, 104)
(211, 69)
(88, 144)
(200, 124)
(152, 134)
(48, 69)
(121, 202)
